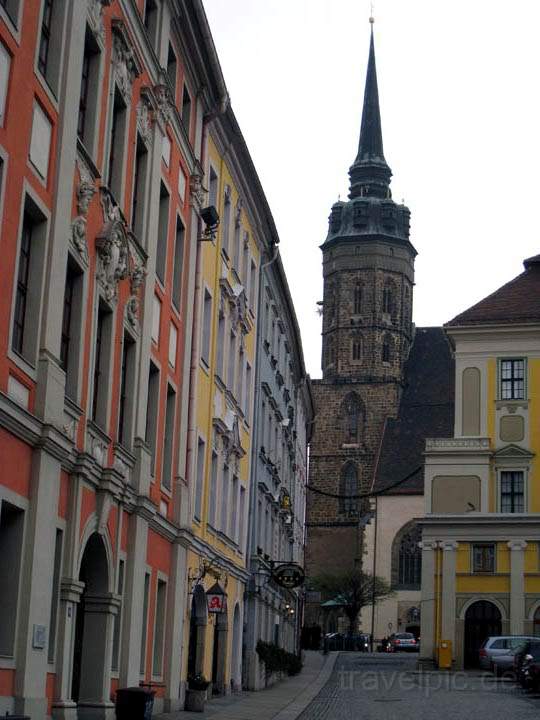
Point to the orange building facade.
(104, 107)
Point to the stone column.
(94, 701)
(517, 586)
(427, 607)
(174, 649)
(70, 596)
(448, 595)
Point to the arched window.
(348, 486)
(357, 300)
(357, 348)
(352, 413)
(387, 299)
(407, 557)
(387, 349)
(330, 359)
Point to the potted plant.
(196, 692)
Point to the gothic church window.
(407, 557)
(357, 349)
(330, 352)
(357, 299)
(348, 487)
(353, 416)
(387, 349)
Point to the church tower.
(368, 269)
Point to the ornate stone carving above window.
(165, 103)
(95, 17)
(124, 59)
(146, 111)
(85, 192)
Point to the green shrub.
(276, 659)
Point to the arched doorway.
(236, 658)
(93, 628)
(482, 619)
(197, 631)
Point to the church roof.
(426, 410)
(516, 302)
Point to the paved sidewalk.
(284, 701)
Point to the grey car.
(497, 653)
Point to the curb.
(297, 706)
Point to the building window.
(127, 383)
(387, 350)
(12, 9)
(213, 491)
(186, 109)
(388, 299)
(152, 406)
(156, 319)
(150, 20)
(200, 478)
(206, 327)
(178, 263)
(159, 627)
(357, 350)
(171, 70)
(349, 486)
(252, 285)
(115, 164)
(71, 328)
(50, 42)
(146, 597)
(89, 91)
(233, 532)
(226, 225)
(168, 443)
(213, 188)
(11, 551)
(29, 280)
(40, 142)
(242, 511)
(357, 300)
(101, 365)
(220, 345)
(173, 345)
(163, 232)
(512, 492)
(410, 559)
(247, 408)
(224, 500)
(352, 414)
(483, 558)
(5, 65)
(330, 359)
(139, 189)
(512, 379)
(232, 362)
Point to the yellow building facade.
(221, 405)
(481, 532)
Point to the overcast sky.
(459, 87)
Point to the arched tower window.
(352, 413)
(348, 486)
(387, 349)
(407, 557)
(357, 299)
(330, 359)
(357, 348)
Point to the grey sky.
(459, 91)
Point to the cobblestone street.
(376, 687)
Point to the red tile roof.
(516, 302)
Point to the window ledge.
(512, 405)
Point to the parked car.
(498, 645)
(530, 668)
(403, 641)
(502, 652)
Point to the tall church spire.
(370, 174)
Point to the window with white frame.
(512, 491)
(156, 318)
(159, 627)
(213, 188)
(117, 136)
(233, 531)
(152, 406)
(89, 94)
(5, 65)
(224, 500)
(200, 478)
(226, 224)
(50, 42)
(146, 597)
(173, 345)
(139, 190)
(512, 379)
(206, 327)
(127, 382)
(213, 490)
(102, 359)
(40, 141)
(12, 10)
(163, 233)
(168, 441)
(178, 267)
(71, 327)
(242, 520)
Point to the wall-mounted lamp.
(210, 217)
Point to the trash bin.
(134, 703)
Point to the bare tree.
(352, 590)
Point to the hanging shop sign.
(216, 599)
(288, 575)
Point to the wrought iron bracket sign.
(288, 574)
